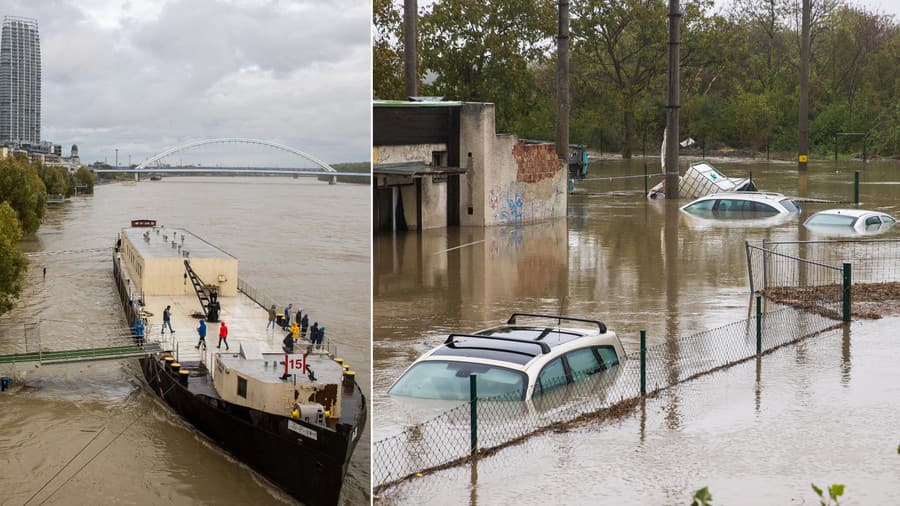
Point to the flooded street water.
(299, 241)
(639, 264)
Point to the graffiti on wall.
(515, 203)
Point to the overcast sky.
(145, 75)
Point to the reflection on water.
(633, 263)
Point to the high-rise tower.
(20, 81)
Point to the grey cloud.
(293, 72)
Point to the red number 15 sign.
(294, 364)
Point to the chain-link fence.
(873, 260)
(836, 278)
(455, 436)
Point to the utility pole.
(803, 143)
(410, 39)
(117, 158)
(673, 101)
(562, 82)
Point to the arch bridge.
(320, 167)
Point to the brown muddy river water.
(299, 241)
(639, 264)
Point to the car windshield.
(827, 219)
(448, 380)
(789, 205)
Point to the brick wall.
(535, 162)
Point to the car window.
(887, 219)
(608, 355)
(450, 381)
(761, 207)
(726, 205)
(552, 375)
(703, 205)
(831, 219)
(789, 205)
(873, 220)
(583, 363)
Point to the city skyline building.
(20, 82)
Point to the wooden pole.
(562, 82)
(803, 142)
(410, 38)
(673, 101)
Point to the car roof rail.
(600, 325)
(545, 348)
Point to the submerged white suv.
(741, 205)
(515, 362)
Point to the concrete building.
(20, 82)
(154, 259)
(439, 164)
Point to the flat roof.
(157, 247)
(413, 169)
(410, 103)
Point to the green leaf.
(816, 489)
(702, 497)
(836, 491)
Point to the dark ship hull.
(311, 470)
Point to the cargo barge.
(294, 417)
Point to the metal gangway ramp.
(92, 350)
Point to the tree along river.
(639, 264)
(299, 241)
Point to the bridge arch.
(239, 140)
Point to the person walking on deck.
(223, 335)
(304, 325)
(167, 320)
(139, 331)
(314, 332)
(271, 318)
(287, 317)
(201, 330)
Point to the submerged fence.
(822, 276)
(483, 425)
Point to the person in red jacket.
(223, 335)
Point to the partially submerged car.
(857, 221)
(741, 205)
(512, 362)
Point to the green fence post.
(835, 147)
(643, 362)
(758, 324)
(751, 178)
(846, 294)
(646, 190)
(473, 419)
(856, 187)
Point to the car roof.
(856, 213)
(517, 344)
(745, 195)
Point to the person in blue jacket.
(139, 331)
(201, 330)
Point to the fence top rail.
(798, 259)
(835, 241)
